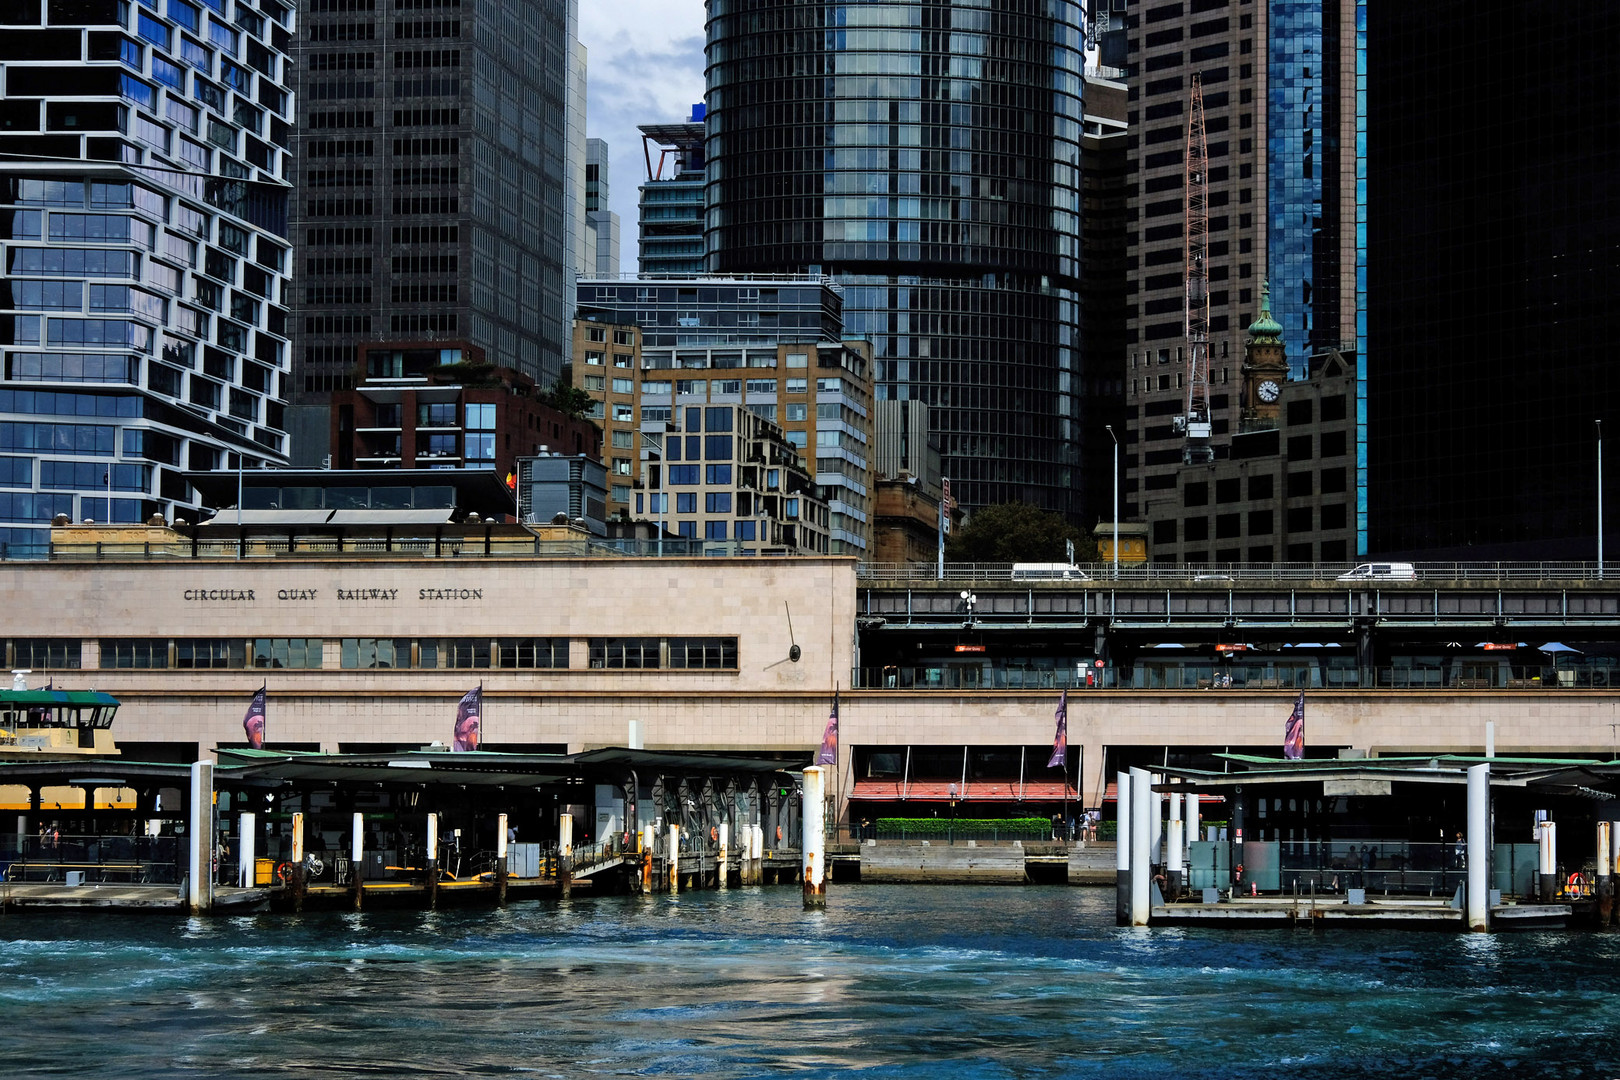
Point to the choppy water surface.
(892, 981)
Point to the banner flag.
(828, 754)
(469, 719)
(1060, 741)
(253, 722)
(1294, 732)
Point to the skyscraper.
(672, 198)
(926, 155)
(1281, 200)
(143, 232)
(1493, 263)
(601, 223)
(432, 173)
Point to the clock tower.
(1265, 367)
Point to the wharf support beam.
(815, 838)
(1479, 846)
(200, 856)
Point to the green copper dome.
(1265, 330)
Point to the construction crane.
(1195, 233)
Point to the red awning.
(978, 791)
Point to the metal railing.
(425, 547)
(978, 676)
(1243, 575)
(121, 859)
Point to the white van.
(1382, 571)
(1048, 571)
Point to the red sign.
(1492, 645)
(1231, 648)
(970, 648)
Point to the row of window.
(640, 653)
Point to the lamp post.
(1600, 496)
(1111, 435)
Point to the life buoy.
(714, 835)
(284, 872)
(1576, 885)
(779, 834)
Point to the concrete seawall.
(980, 863)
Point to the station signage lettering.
(344, 595)
(218, 596)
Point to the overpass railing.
(1215, 575)
(1304, 676)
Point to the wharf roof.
(1585, 777)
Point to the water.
(892, 981)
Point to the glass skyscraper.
(927, 156)
(143, 233)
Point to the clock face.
(1268, 391)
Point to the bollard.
(1176, 847)
(722, 868)
(1122, 849)
(758, 851)
(296, 882)
(432, 867)
(357, 857)
(1547, 864)
(1478, 847)
(1156, 827)
(200, 868)
(1605, 870)
(565, 853)
(247, 850)
(815, 838)
(1144, 805)
(1191, 826)
(500, 858)
(1614, 859)
(649, 841)
(672, 858)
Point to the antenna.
(1196, 301)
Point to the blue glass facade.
(1294, 175)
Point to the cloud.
(644, 66)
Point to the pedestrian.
(1459, 853)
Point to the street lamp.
(968, 601)
(1600, 496)
(1111, 435)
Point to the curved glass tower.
(925, 154)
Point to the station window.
(364, 653)
(210, 653)
(134, 652)
(532, 652)
(287, 652)
(703, 652)
(625, 653)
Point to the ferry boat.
(52, 723)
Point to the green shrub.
(932, 826)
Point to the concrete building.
(144, 245)
(672, 198)
(446, 406)
(573, 486)
(773, 344)
(432, 166)
(934, 172)
(601, 224)
(1281, 117)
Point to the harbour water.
(893, 981)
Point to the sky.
(644, 66)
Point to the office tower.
(143, 211)
(576, 151)
(601, 224)
(654, 350)
(926, 155)
(1493, 263)
(1279, 197)
(672, 198)
(432, 199)
(1105, 186)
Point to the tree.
(1017, 532)
(571, 401)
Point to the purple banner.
(253, 722)
(828, 755)
(1294, 731)
(1060, 741)
(469, 720)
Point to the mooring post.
(565, 853)
(357, 857)
(1177, 846)
(722, 864)
(815, 838)
(432, 867)
(296, 880)
(1122, 848)
(672, 858)
(1143, 805)
(200, 888)
(1192, 825)
(1547, 866)
(1605, 868)
(1614, 861)
(758, 852)
(1477, 851)
(1156, 824)
(247, 840)
(500, 858)
(649, 842)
